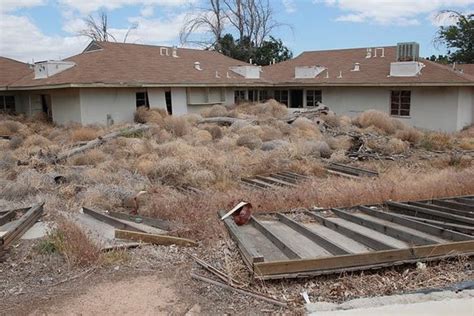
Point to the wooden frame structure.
(274, 180)
(348, 171)
(309, 242)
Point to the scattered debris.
(154, 239)
(240, 213)
(349, 171)
(271, 181)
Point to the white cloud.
(12, 5)
(289, 5)
(89, 6)
(147, 11)
(403, 12)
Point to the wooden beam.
(154, 239)
(465, 229)
(374, 173)
(284, 178)
(464, 200)
(422, 227)
(442, 209)
(154, 222)
(271, 180)
(277, 241)
(349, 171)
(22, 225)
(258, 183)
(365, 259)
(341, 174)
(110, 220)
(388, 230)
(425, 212)
(5, 218)
(360, 238)
(249, 253)
(313, 236)
(454, 205)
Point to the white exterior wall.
(465, 107)
(156, 97)
(66, 106)
(179, 101)
(229, 96)
(433, 108)
(97, 103)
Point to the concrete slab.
(38, 230)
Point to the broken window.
(239, 96)
(313, 97)
(400, 103)
(7, 103)
(282, 96)
(142, 99)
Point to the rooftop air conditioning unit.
(408, 51)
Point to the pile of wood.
(14, 223)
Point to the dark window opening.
(46, 106)
(400, 102)
(282, 96)
(296, 99)
(313, 97)
(239, 96)
(169, 107)
(253, 95)
(263, 95)
(7, 103)
(142, 99)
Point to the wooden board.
(154, 222)
(154, 239)
(110, 220)
(22, 225)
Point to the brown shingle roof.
(466, 68)
(11, 71)
(134, 64)
(373, 71)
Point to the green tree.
(458, 38)
(442, 59)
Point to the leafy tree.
(244, 49)
(458, 38)
(442, 59)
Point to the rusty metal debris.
(315, 242)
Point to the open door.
(169, 106)
(296, 99)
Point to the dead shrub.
(178, 126)
(394, 146)
(16, 142)
(339, 143)
(215, 131)
(69, 240)
(217, 110)
(466, 143)
(410, 134)
(331, 119)
(7, 161)
(379, 120)
(268, 109)
(303, 128)
(92, 157)
(314, 149)
(9, 127)
(37, 141)
(84, 134)
(145, 115)
(270, 133)
(436, 141)
(249, 141)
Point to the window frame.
(7, 103)
(316, 95)
(145, 100)
(400, 103)
(278, 95)
(239, 96)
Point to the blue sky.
(46, 29)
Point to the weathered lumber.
(464, 200)
(22, 225)
(422, 227)
(443, 209)
(366, 259)
(425, 212)
(164, 240)
(5, 218)
(241, 291)
(218, 273)
(99, 141)
(258, 183)
(154, 222)
(465, 229)
(454, 205)
(388, 230)
(225, 121)
(271, 180)
(358, 169)
(316, 238)
(110, 220)
(249, 253)
(277, 241)
(355, 235)
(342, 174)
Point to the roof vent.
(197, 65)
(307, 72)
(217, 74)
(369, 53)
(406, 69)
(248, 72)
(408, 51)
(164, 51)
(381, 49)
(340, 74)
(46, 69)
(174, 52)
(356, 67)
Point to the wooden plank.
(318, 239)
(154, 239)
(277, 241)
(451, 226)
(375, 173)
(385, 229)
(360, 238)
(258, 183)
(454, 205)
(294, 175)
(365, 259)
(422, 227)
(344, 170)
(249, 253)
(22, 225)
(271, 180)
(341, 174)
(422, 211)
(154, 222)
(464, 201)
(443, 209)
(284, 178)
(110, 220)
(7, 217)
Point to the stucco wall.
(156, 97)
(179, 101)
(465, 107)
(431, 107)
(96, 104)
(65, 104)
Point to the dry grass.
(249, 141)
(411, 135)
(380, 120)
(268, 109)
(436, 141)
(92, 157)
(144, 115)
(10, 127)
(84, 134)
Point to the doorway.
(296, 98)
(169, 106)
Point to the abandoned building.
(107, 81)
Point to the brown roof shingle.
(11, 71)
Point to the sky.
(34, 30)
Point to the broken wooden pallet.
(349, 171)
(274, 180)
(310, 242)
